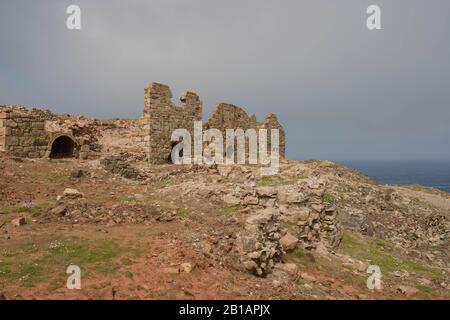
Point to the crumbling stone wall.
(105, 136)
(228, 116)
(22, 131)
(29, 132)
(163, 117)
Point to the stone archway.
(169, 157)
(62, 146)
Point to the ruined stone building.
(36, 133)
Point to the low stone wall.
(22, 131)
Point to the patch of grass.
(47, 261)
(425, 289)
(5, 269)
(376, 252)
(57, 176)
(265, 181)
(417, 187)
(125, 261)
(129, 274)
(308, 261)
(159, 185)
(329, 198)
(183, 213)
(127, 199)
(230, 210)
(35, 210)
(62, 161)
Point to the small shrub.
(329, 198)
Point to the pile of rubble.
(259, 245)
(84, 212)
(121, 166)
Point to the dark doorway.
(169, 158)
(62, 147)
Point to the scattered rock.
(276, 283)
(171, 270)
(407, 290)
(308, 277)
(19, 222)
(77, 173)
(290, 268)
(186, 267)
(139, 197)
(289, 242)
(71, 194)
(266, 191)
(231, 200)
(59, 210)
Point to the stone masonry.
(37, 133)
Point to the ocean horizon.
(429, 173)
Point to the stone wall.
(22, 131)
(228, 116)
(29, 132)
(105, 136)
(163, 117)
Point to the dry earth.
(171, 232)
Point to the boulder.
(291, 196)
(186, 267)
(266, 192)
(407, 290)
(19, 222)
(231, 200)
(72, 194)
(59, 210)
(288, 242)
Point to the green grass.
(46, 262)
(230, 210)
(34, 210)
(310, 262)
(265, 181)
(126, 199)
(425, 289)
(159, 185)
(381, 253)
(374, 251)
(183, 213)
(329, 198)
(417, 187)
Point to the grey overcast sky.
(341, 91)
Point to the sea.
(429, 173)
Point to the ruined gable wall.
(163, 117)
(271, 122)
(228, 116)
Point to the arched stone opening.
(62, 147)
(169, 158)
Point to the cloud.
(341, 91)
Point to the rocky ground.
(219, 232)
